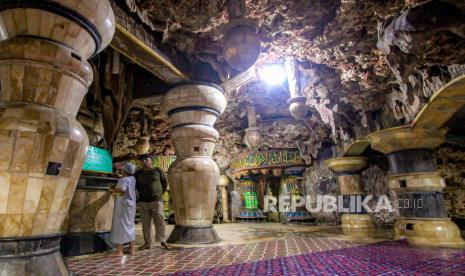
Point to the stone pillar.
(419, 187)
(347, 169)
(223, 184)
(89, 220)
(193, 110)
(44, 76)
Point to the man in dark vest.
(151, 184)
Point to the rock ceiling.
(365, 65)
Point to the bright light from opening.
(273, 74)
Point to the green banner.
(98, 160)
(250, 199)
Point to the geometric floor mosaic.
(293, 255)
(380, 259)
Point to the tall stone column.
(223, 185)
(347, 169)
(44, 77)
(193, 110)
(419, 187)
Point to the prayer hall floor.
(278, 249)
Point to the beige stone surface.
(91, 210)
(350, 184)
(44, 76)
(194, 140)
(356, 222)
(34, 202)
(429, 232)
(193, 184)
(357, 225)
(194, 95)
(43, 72)
(347, 164)
(404, 138)
(41, 23)
(194, 175)
(422, 182)
(442, 105)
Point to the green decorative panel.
(98, 160)
(250, 199)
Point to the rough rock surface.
(365, 66)
(158, 129)
(374, 179)
(374, 62)
(451, 165)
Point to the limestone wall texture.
(363, 67)
(451, 165)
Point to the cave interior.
(299, 137)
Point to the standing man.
(123, 229)
(151, 185)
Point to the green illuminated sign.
(250, 199)
(98, 160)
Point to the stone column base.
(74, 244)
(193, 235)
(357, 225)
(32, 256)
(429, 232)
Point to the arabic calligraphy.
(160, 161)
(268, 159)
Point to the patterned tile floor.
(159, 261)
(277, 249)
(386, 258)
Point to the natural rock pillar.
(347, 169)
(193, 110)
(419, 187)
(44, 77)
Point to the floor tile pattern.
(293, 255)
(387, 258)
(159, 261)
